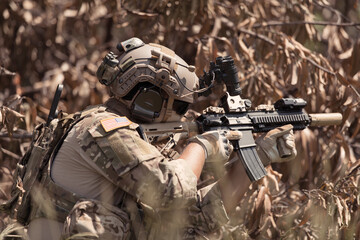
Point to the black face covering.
(147, 105)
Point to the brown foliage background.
(307, 49)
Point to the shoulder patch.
(110, 124)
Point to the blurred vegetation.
(282, 48)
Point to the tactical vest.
(32, 182)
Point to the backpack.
(33, 165)
(46, 139)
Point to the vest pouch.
(92, 219)
(27, 173)
(18, 206)
(22, 209)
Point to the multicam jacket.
(160, 194)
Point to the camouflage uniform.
(158, 194)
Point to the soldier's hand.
(216, 144)
(277, 145)
(217, 148)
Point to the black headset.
(147, 104)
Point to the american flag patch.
(114, 123)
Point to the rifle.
(235, 114)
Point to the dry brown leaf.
(10, 118)
(307, 213)
(272, 181)
(213, 49)
(267, 220)
(5, 183)
(346, 54)
(201, 61)
(230, 49)
(260, 197)
(249, 53)
(340, 209)
(66, 40)
(294, 74)
(345, 213)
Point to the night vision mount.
(223, 70)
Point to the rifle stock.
(158, 131)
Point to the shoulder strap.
(60, 142)
(77, 117)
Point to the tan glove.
(217, 148)
(277, 145)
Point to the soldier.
(127, 188)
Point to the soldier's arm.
(232, 186)
(151, 178)
(194, 156)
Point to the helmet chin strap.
(164, 113)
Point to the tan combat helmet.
(154, 83)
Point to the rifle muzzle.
(325, 119)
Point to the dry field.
(282, 48)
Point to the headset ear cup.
(147, 105)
